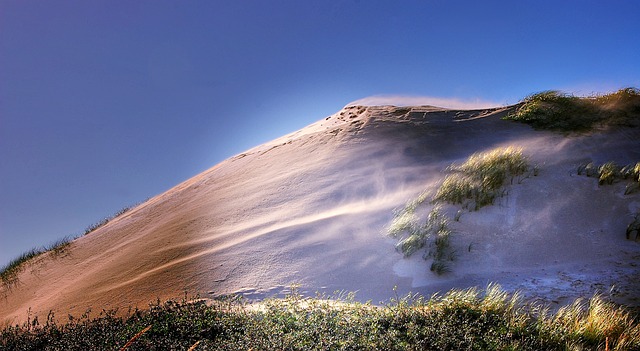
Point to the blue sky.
(106, 103)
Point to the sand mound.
(312, 207)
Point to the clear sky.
(106, 103)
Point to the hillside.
(313, 207)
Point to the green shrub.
(555, 110)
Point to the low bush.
(555, 110)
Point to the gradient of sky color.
(106, 103)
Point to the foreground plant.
(469, 319)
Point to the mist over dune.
(410, 100)
(312, 208)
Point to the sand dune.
(311, 208)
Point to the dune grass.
(405, 219)
(479, 180)
(433, 234)
(558, 111)
(473, 184)
(609, 173)
(468, 319)
(106, 220)
(9, 272)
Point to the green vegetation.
(9, 273)
(441, 252)
(610, 173)
(479, 180)
(474, 184)
(459, 320)
(406, 220)
(555, 110)
(434, 234)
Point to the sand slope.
(311, 208)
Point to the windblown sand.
(311, 208)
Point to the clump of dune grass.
(475, 183)
(433, 234)
(610, 172)
(632, 173)
(588, 169)
(405, 219)
(441, 252)
(595, 322)
(9, 272)
(555, 110)
(414, 236)
(470, 319)
(479, 180)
